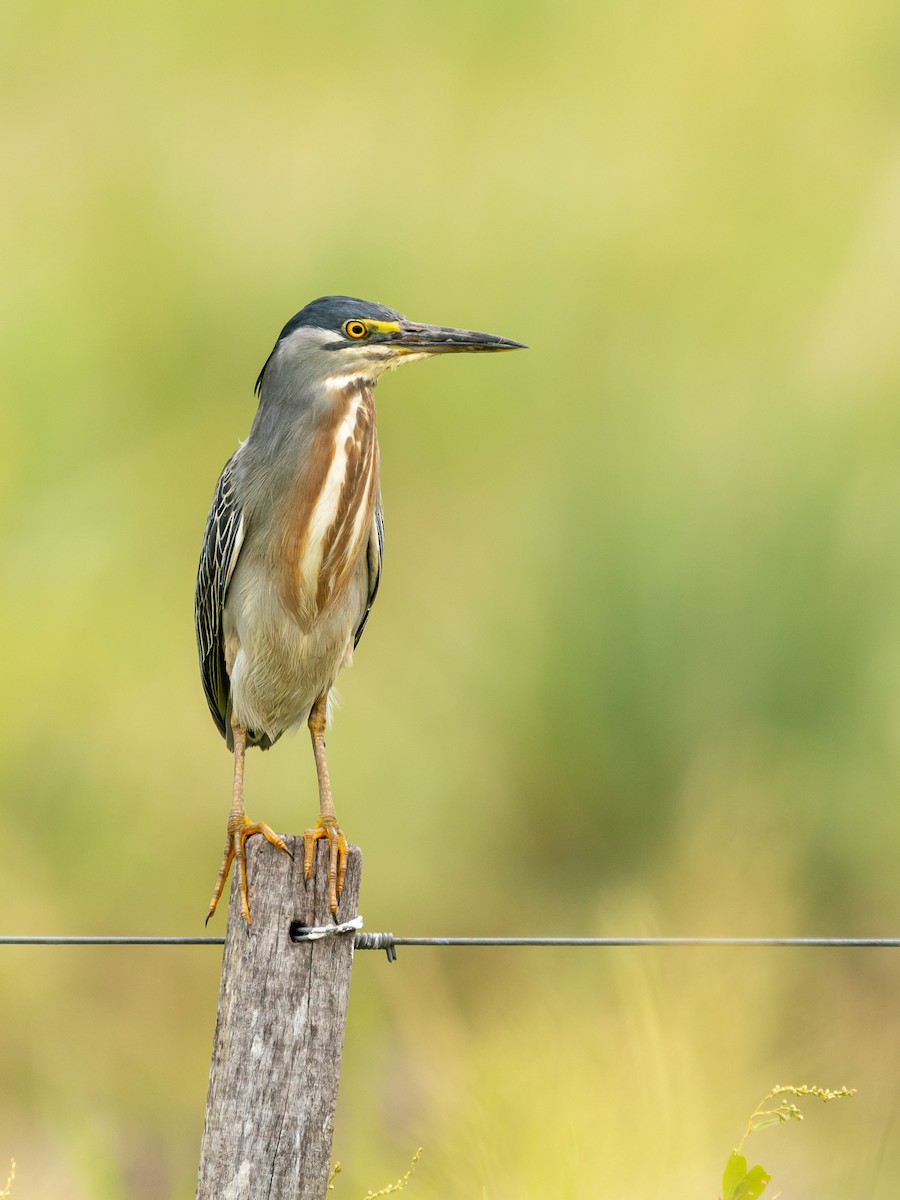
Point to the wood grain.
(279, 1033)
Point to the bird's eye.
(355, 329)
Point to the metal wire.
(126, 940)
(381, 941)
(387, 941)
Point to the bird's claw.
(338, 850)
(239, 829)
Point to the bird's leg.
(326, 826)
(240, 828)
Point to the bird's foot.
(239, 829)
(338, 849)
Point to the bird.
(292, 549)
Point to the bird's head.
(338, 339)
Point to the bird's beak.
(411, 338)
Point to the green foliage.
(740, 1182)
(400, 1184)
(389, 1189)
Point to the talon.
(239, 829)
(338, 851)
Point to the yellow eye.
(355, 329)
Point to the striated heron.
(292, 550)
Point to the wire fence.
(390, 941)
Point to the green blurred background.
(635, 664)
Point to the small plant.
(742, 1183)
(7, 1191)
(389, 1190)
(400, 1183)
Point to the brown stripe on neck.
(306, 598)
(349, 531)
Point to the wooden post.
(279, 1033)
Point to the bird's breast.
(327, 525)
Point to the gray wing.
(376, 556)
(222, 540)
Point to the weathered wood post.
(279, 1033)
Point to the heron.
(292, 549)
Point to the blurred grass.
(635, 666)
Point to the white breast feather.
(326, 505)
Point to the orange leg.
(239, 829)
(326, 826)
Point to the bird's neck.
(317, 482)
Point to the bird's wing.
(222, 540)
(376, 556)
